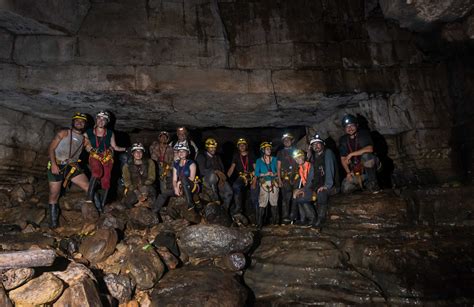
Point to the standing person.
(357, 157)
(326, 176)
(244, 163)
(64, 151)
(182, 134)
(287, 173)
(139, 176)
(100, 143)
(266, 170)
(212, 171)
(162, 153)
(184, 175)
(303, 192)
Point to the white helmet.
(316, 138)
(181, 146)
(138, 146)
(104, 114)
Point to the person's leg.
(81, 181)
(349, 185)
(226, 193)
(322, 204)
(54, 192)
(237, 188)
(370, 167)
(130, 199)
(274, 205)
(286, 194)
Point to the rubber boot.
(53, 215)
(102, 202)
(91, 190)
(237, 204)
(275, 215)
(187, 186)
(98, 201)
(260, 216)
(372, 184)
(310, 214)
(285, 213)
(322, 211)
(302, 220)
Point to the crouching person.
(303, 192)
(326, 178)
(139, 177)
(184, 175)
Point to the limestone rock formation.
(41, 290)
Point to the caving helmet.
(79, 115)
(287, 135)
(164, 133)
(241, 141)
(104, 114)
(138, 146)
(181, 146)
(210, 143)
(316, 138)
(348, 119)
(298, 153)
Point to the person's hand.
(349, 157)
(320, 189)
(54, 168)
(142, 197)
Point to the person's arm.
(114, 145)
(192, 172)
(201, 162)
(360, 152)
(231, 169)
(127, 180)
(51, 150)
(151, 173)
(152, 150)
(175, 182)
(257, 169)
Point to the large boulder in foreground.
(199, 287)
(208, 241)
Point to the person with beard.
(64, 151)
(100, 143)
(182, 134)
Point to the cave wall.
(24, 141)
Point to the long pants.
(224, 191)
(239, 188)
(370, 163)
(268, 193)
(101, 171)
(132, 198)
(288, 208)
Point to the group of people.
(303, 180)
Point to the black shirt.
(348, 145)
(285, 156)
(240, 161)
(208, 164)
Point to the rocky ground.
(411, 246)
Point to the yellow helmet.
(298, 153)
(210, 142)
(264, 145)
(241, 141)
(79, 115)
(287, 135)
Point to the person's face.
(299, 160)
(351, 129)
(138, 154)
(182, 134)
(182, 154)
(268, 151)
(242, 147)
(319, 147)
(163, 138)
(101, 121)
(287, 142)
(211, 150)
(79, 124)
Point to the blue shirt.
(261, 168)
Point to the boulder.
(199, 287)
(99, 246)
(74, 273)
(233, 262)
(208, 241)
(170, 260)
(41, 290)
(143, 217)
(14, 278)
(145, 267)
(4, 300)
(81, 294)
(216, 214)
(119, 286)
(167, 239)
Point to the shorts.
(64, 171)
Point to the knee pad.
(368, 160)
(212, 179)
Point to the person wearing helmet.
(287, 173)
(266, 170)
(100, 143)
(357, 157)
(139, 177)
(184, 175)
(163, 155)
(182, 135)
(326, 176)
(64, 151)
(244, 163)
(303, 192)
(212, 171)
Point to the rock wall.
(24, 141)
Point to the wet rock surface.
(199, 287)
(41, 290)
